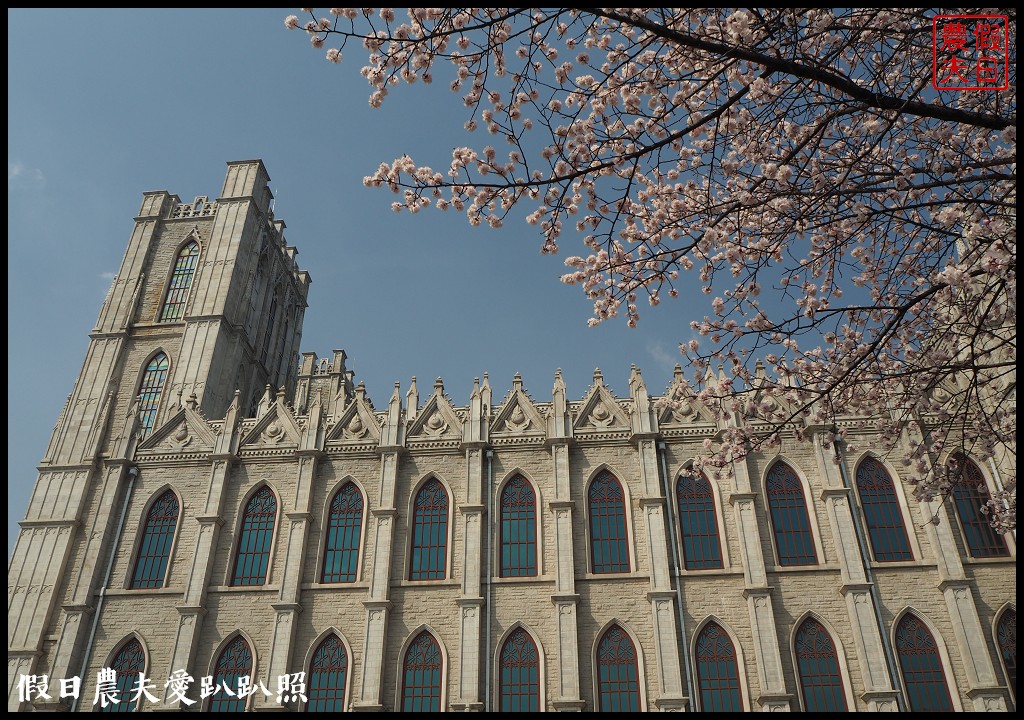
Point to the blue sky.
(103, 105)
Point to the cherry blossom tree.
(854, 227)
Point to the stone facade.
(222, 433)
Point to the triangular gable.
(185, 430)
(275, 428)
(437, 419)
(685, 408)
(357, 423)
(599, 410)
(518, 414)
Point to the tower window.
(181, 281)
(150, 389)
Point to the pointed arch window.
(698, 523)
(790, 521)
(609, 546)
(235, 662)
(328, 676)
(253, 555)
(518, 528)
(421, 675)
(150, 390)
(128, 663)
(718, 674)
(430, 532)
(821, 681)
(1006, 637)
(181, 281)
(271, 316)
(882, 513)
(921, 667)
(519, 673)
(157, 536)
(344, 524)
(969, 494)
(618, 672)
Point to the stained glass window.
(921, 667)
(969, 494)
(698, 524)
(818, 664)
(421, 675)
(429, 532)
(155, 547)
(150, 389)
(518, 529)
(790, 522)
(181, 280)
(609, 547)
(128, 663)
(717, 671)
(519, 673)
(344, 523)
(1006, 636)
(882, 513)
(618, 672)
(328, 674)
(253, 556)
(235, 662)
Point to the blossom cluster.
(855, 236)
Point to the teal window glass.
(155, 548)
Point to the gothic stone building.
(504, 552)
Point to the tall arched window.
(155, 547)
(921, 667)
(618, 672)
(821, 681)
(253, 555)
(1006, 637)
(698, 524)
(518, 529)
(430, 532)
(150, 389)
(609, 546)
(882, 513)
(519, 673)
(177, 291)
(421, 675)
(267, 336)
(344, 523)
(790, 522)
(235, 662)
(969, 494)
(328, 675)
(718, 674)
(128, 663)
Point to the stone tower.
(208, 304)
